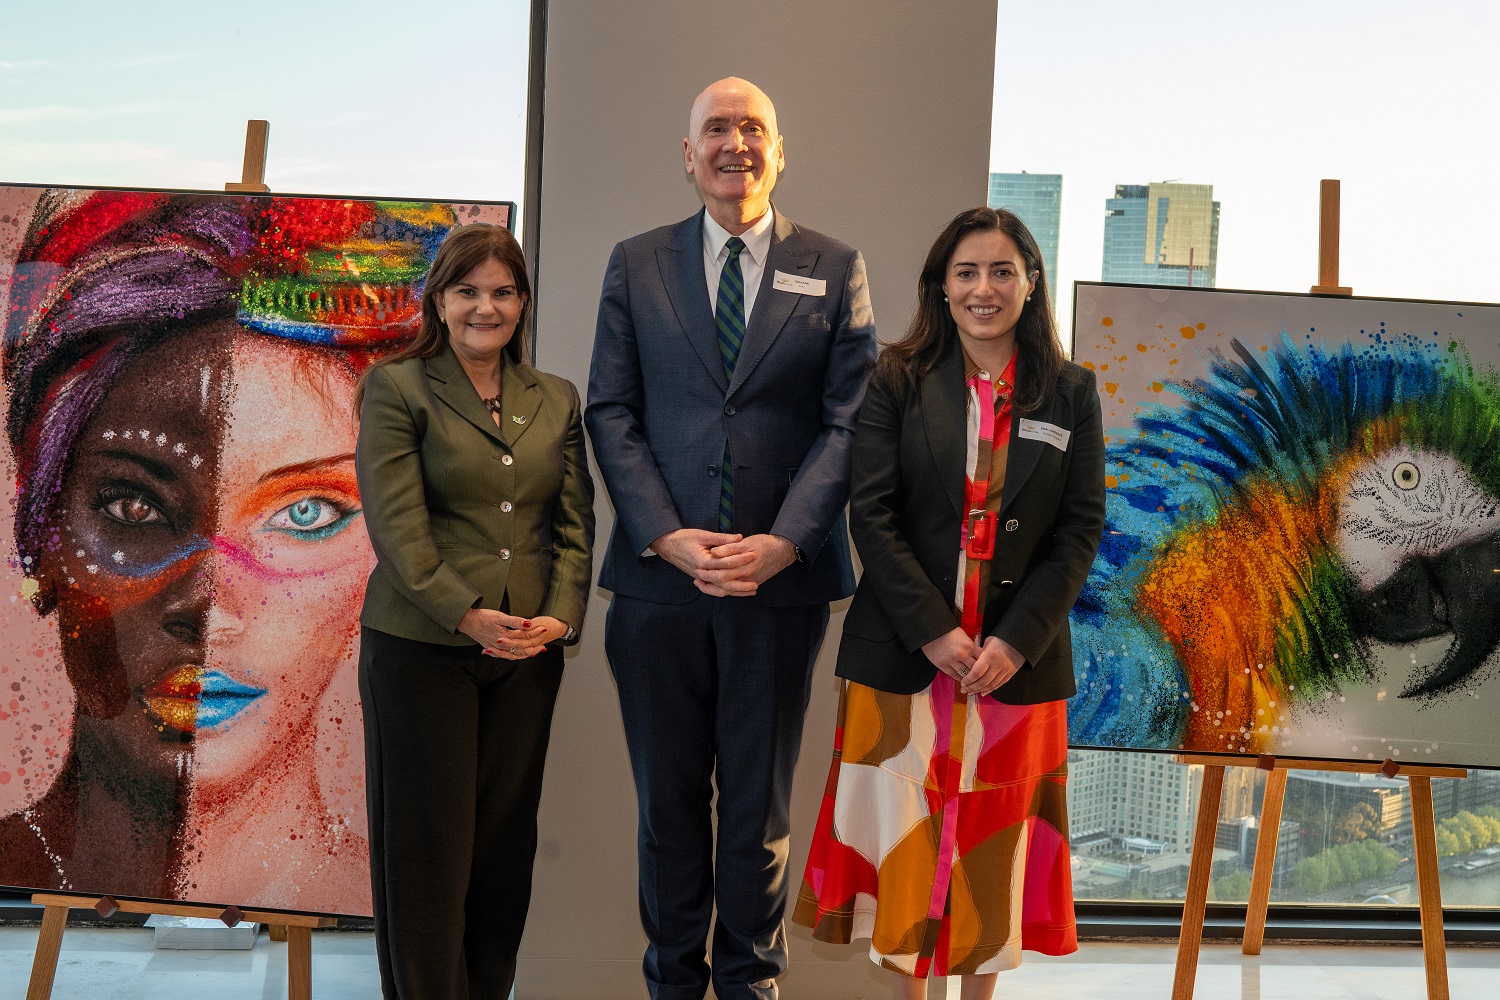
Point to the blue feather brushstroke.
(1280, 417)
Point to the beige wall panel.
(885, 108)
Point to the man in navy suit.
(730, 359)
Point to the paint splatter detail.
(188, 554)
(1226, 592)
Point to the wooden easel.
(1328, 238)
(1424, 827)
(55, 920)
(1200, 871)
(253, 176)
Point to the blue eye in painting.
(312, 518)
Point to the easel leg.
(48, 944)
(1265, 861)
(1424, 833)
(277, 931)
(1199, 874)
(299, 963)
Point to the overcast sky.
(1399, 100)
(371, 97)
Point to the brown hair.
(465, 248)
(904, 363)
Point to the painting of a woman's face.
(208, 555)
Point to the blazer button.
(729, 409)
(713, 470)
(507, 460)
(507, 507)
(505, 553)
(1010, 525)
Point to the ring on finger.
(963, 671)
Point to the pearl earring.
(945, 298)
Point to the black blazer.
(906, 507)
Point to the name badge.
(799, 286)
(1038, 430)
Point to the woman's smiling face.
(210, 556)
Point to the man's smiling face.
(733, 149)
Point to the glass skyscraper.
(1162, 234)
(1037, 199)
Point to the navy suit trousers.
(713, 693)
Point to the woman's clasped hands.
(978, 669)
(509, 637)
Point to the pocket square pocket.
(810, 321)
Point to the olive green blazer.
(465, 514)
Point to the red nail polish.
(525, 624)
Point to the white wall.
(885, 108)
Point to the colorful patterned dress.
(943, 835)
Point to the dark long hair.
(465, 248)
(903, 364)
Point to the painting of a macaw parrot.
(1302, 547)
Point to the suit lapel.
(772, 307)
(1023, 453)
(451, 384)
(943, 412)
(686, 284)
(520, 398)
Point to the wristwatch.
(569, 635)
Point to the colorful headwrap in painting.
(103, 276)
(1298, 506)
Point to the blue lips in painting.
(190, 699)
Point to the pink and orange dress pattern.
(943, 834)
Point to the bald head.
(733, 152)
(728, 88)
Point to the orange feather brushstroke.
(1225, 593)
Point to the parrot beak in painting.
(1455, 591)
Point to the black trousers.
(454, 747)
(713, 692)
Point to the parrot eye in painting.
(1406, 476)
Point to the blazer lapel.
(944, 400)
(521, 399)
(1023, 453)
(451, 384)
(686, 284)
(773, 308)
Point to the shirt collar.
(971, 368)
(757, 238)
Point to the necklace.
(28, 816)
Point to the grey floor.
(120, 964)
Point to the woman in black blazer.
(977, 508)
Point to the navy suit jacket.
(660, 409)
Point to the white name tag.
(1037, 430)
(799, 286)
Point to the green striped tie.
(729, 318)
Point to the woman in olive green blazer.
(477, 496)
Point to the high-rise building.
(1132, 796)
(1037, 199)
(1162, 234)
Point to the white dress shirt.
(752, 259)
